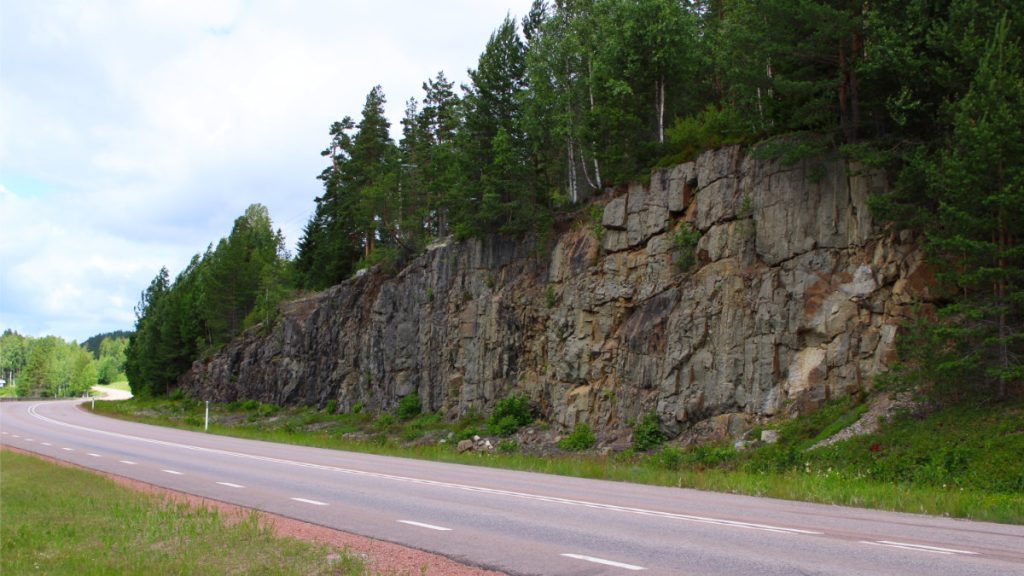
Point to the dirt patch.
(381, 557)
(882, 409)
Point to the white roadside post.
(206, 421)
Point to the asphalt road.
(516, 522)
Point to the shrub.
(510, 414)
(409, 406)
(549, 296)
(685, 244)
(647, 432)
(332, 406)
(507, 426)
(670, 458)
(581, 439)
(383, 422)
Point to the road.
(516, 522)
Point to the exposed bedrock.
(795, 297)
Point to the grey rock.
(615, 214)
(795, 298)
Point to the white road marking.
(175, 472)
(47, 444)
(28, 440)
(128, 462)
(422, 525)
(438, 484)
(230, 485)
(94, 455)
(68, 449)
(605, 562)
(918, 547)
(314, 502)
(16, 436)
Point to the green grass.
(122, 385)
(962, 461)
(59, 520)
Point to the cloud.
(132, 134)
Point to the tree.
(111, 360)
(977, 184)
(493, 107)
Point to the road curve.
(516, 522)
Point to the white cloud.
(133, 133)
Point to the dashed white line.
(435, 483)
(94, 455)
(16, 436)
(595, 560)
(175, 472)
(68, 449)
(918, 547)
(313, 502)
(230, 485)
(28, 440)
(47, 444)
(128, 462)
(427, 526)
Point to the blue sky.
(133, 133)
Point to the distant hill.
(93, 344)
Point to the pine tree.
(977, 184)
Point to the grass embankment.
(122, 386)
(59, 520)
(963, 461)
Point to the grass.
(962, 461)
(59, 520)
(122, 385)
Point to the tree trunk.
(593, 145)
(659, 86)
(571, 158)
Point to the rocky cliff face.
(795, 297)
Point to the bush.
(685, 244)
(507, 426)
(409, 406)
(383, 422)
(670, 458)
(709, 129)
(510, 414)
(647, 432)
(582, 438)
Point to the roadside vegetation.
(50, 367)
(961, 460)
(59, 520)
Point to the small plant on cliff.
(549, 296)
(596, 212)
(582, 438)
(510, 414)
(647, 432)
(685, 245)
(409, 406)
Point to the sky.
(134, 132)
